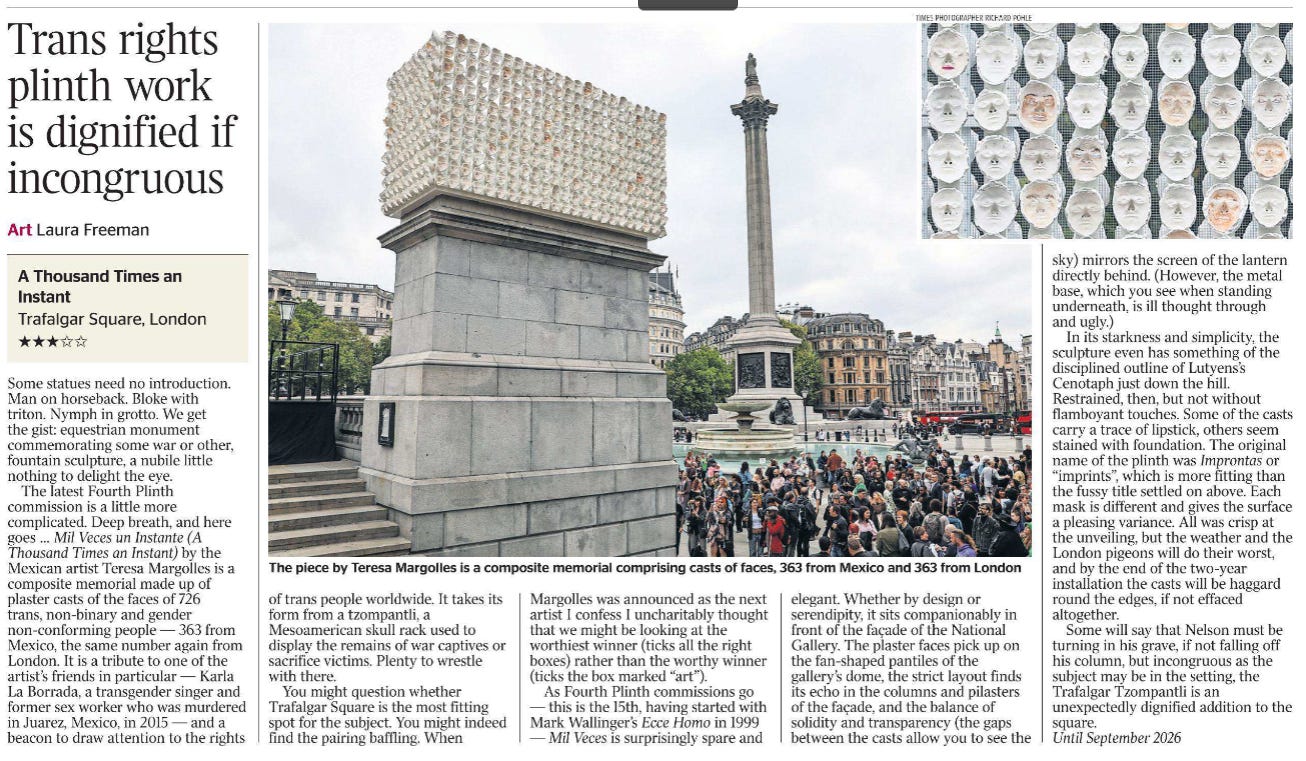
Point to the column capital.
(754, 112)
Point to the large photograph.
(583, 291)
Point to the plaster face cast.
(1086, 53)
(1040, 158)
(948, 158)
(1269, 205)
(1269, 155)
(996, 56)
(1039, 107)
(1131, 154)
(1086, 104)
(1129, 28)
(1176, 102)
(1267, 55)
(1180, 235)
(1041, 28)
(1130, 105)
(945, 107)
(995, 156)
(991, 110)
(1132, 203)
(1223, 106)
(994, 208)
(1221, 53)
(945, 209)
(1178, 207)
(1225, 207)
(1221, 153)
(948, 54)
(1177, 156)
(1086, 157)
(1039, 203)
(1271, 102)
(1176, 52)
(1129, 55)
(1042, 55)
(1085, 211)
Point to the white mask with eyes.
(1271, 102)
(1086, 53)
(1176, 52)
(1223, 106)
(1221, 153)
(994, 208)
(1267, 55)
(1130, 105)
(1221, 53)
(992, 110)
(1086, 157)
(996, 56)
(1177, 156)
(1129, 55)
(945, 106)
(948, 54)
(1132, 203)
(1178, 207)
(1039, 203)
(1039, 105)
(1269, 205)
(1042, 56)
(1269, 155)
(1040, 158)
(948, 158)
(995, 156)
(1225, 207)
(1086, 104)
(1176, 102)
(1085, 211)
(1131, 154)
(945, 209)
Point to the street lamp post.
(286, 309)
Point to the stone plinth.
(528, 420)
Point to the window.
(849, 361)
(832, 383)
(829, 362)
(340, 296)
(850, 395)
(850, 378)
(354, 298)
(879, 377)
(337, 312)
(303, 294)
(370, 331)
(353, 311)
(321, 295)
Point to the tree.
(807, 366)
(311, 324)
(699, 380)
(381, 350)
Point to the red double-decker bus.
(945, 417)
(1023, 422)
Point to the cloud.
(844, 169)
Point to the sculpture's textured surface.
(468, 119)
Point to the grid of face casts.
(1107, 131)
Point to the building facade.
(666, 318)
(853, 351)
(368, 306)
(717, 336)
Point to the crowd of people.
(942, 507)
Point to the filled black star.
(52, 341)
(39, 341)
(25, 341)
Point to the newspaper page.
(650, 377)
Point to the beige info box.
(167, 308)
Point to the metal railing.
(303, 371)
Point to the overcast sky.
(844, 167)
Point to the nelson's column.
(764, 349)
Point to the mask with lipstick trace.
(1039, 107)
(948, 158)
(1178, 207)
(1176, 102)
(948, 54)
(1131, 153)
(1176, 52)
(1129, 55)
(1132, 203)
(945, 106)
(1040, 201)
(1040, 158)
(1225, 207)
(1086, 157)
(1130, 105)
(1223, 106)
(1086, 53)
(994, 208)
(995, 155)
(996, 57)
(1085, 212)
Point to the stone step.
(318, 502)
(312, 471)
(323, 535)
(366, 547)
(334, 516)
(305, 488)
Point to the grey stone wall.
(528, 419)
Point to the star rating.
(52, 342)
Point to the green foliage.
(699, 380)
(381, 350)
(807, 366)
(311, 324)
